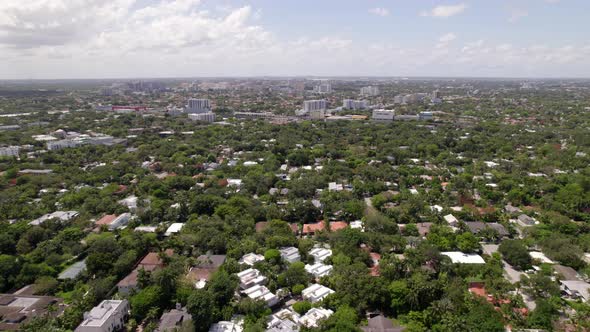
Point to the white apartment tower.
(369, 91)
(354, 104)
(196, 106)
(315, 105)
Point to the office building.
(108, 316)
(314, 105)
(383, 115)
(370, 91)
(196, 106)
(352, 104)
(202, 117)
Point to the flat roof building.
(108, 316)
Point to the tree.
(302, 307)
(201, 305)
(273, 256)
(467, 242)
(516, 254)
(146, 299)
(295, 274)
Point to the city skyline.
(61, 39)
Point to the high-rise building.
(436, 94)
(370, 91)
(313, 105)
(352, 104)
(323, 87)
(196, 106)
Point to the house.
(357, 224)
(250, 278)
(566, 272)
(451, 220)
(316, 293)
(108, 316)
(320, 254)
(537, 255)
(477, 226)
(576, 289)
(18, 309)
(73, 271)
(251, 259)
(290, 254)
(260, 292)
(337, 225)
(311, 229)
(113, 222)
(130, 202)
(283, 321)
(174, 228)
(315, 316)
(207, 265)
(149, 263)
(225, 326)
(318, 269)
(512, 209)
(374, 269)
(61, 216)
(381, 324)
(526, 221)
(172, 320)
(458, 257)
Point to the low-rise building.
(250, 278)
(320, 254)
(316, 293)
(18, 309)
(172, 321)
(62, 216)
(383, 115)
(260, 292)
(206, 265)
(73, 271)
(315, 316)
(108, 316)
(318, 270)
(174, 228)
(290, 254)
(458, 257)
(251, 259)
(113, 222)
(576, 289)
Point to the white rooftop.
(541, 257)
(463, 258)
(102, 312)
(174, 228)
(251, 259)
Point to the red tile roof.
(106, 220)
(338, 225)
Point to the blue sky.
(121, 38)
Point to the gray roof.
(477, 226)
(211, 261)
(381, 324)
(172, 319)
(73, 271)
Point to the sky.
(55, 39)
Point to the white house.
(62, 216)
(316, 293)
(108, 316)
(357, 224)
(250, 278)
(174, 228)
(290, 254)
(458, 257)
(260, 292)
(576, 289)
(320, 254)
(315, 316)
(318, 269)
(451, 220)
(251, 259)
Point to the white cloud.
(379, 11)
(445, 10)
(60, 39)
